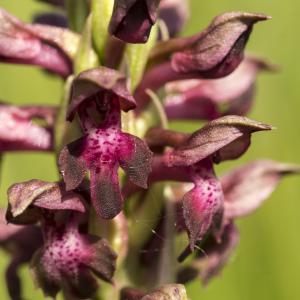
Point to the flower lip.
(94, 81)
(70, 260)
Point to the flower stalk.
(129, 185)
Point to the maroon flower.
(222, 139)
(47, 46)
(247, 187)
(104, 147)
(204, 99)
(68, 259)
(245, 190)
(132, 20)
(19, 132)
(213, 53)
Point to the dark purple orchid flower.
(19, 132)
(132, 20)
(68, 259)
(222, 139)
(201, 99)
(213, 53)
(166, 292)
(175, 14)
(50, 47)
(245, 190)
(104, 147)
(20, 242)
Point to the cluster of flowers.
(114, 72)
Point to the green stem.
(101, 15)
(77, 11)
(137, 57)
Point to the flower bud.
(50, 47)
(132, 20)
(18, 132)
(247, 187)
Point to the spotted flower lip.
(203, 205)
(132, 20)
(247, 187)
(70, 260)
(27, 200)
(104, 147)
(224, 138)
(201, 99)
(50, 47)
(18, 132)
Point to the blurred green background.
(267, 263)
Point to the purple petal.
(71, 163)
(68, 259)
(105, 191)
(132, 19)
(95, 81)
(218, 50)
(247, 187)
(135, 158)
(18, 132)
(40, 45)
(102, 259)
(27, 198)
(213, 137)
(203, 205)
(201, 100)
